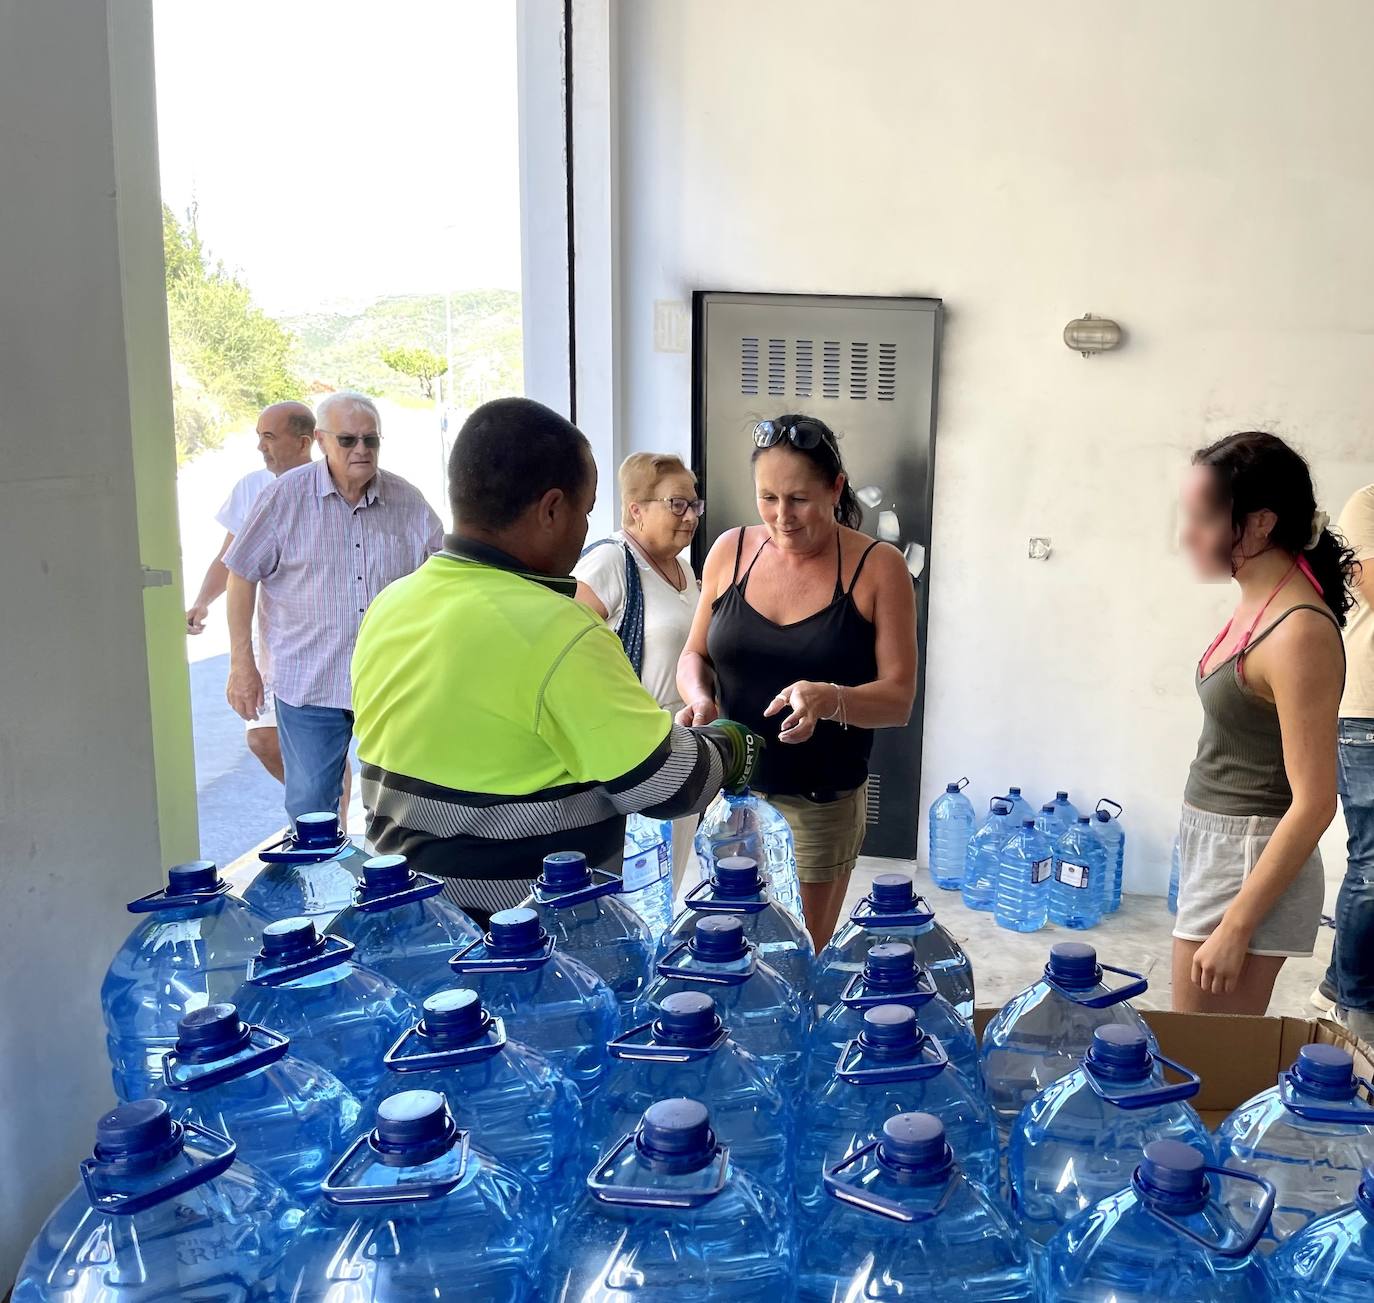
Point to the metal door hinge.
(156, 578)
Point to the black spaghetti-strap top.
(754, 659)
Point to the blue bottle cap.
(1174, 1170)
(892, 893)
(385, 874)
(455, 1015)
(1073, 964)
(951, 788)
(1047, 808)
(195, 876)
(890, 963)
(317, 830)
(687, 1017)
(565, 871)
(1325, 1070)
(214, 1031)
(915, 1143)
(676, 1131)
(1061, 796)
(891, 1029)
(131, 1131)
(1013, 791)
(290, 938)
(719, 938)
(1120, 1051)
(514, 932)
(737, 876)
(412, 1118)
(1083, 819)
(1102, 816)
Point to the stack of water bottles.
(572, 1103)
(1029, 868)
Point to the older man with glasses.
(322, 541)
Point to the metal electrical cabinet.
(868, 368)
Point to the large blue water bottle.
(289, 1117)
(547, 1000)
(984, 854)
(413, 1211)
(738, 888)
(687, 1051)
(764, 1014)
(1106, 826)
(163, 1211)
(646, 871)
(951, 826)
(1175, 869)
(1024, 869)
(901, 1220)
(335, 1011)
(891, 975)
(742, 823)
(891, 1067)
(1080, 875)
(1066, 812)
(668, 1215)
(1079, 1140)
(1311, 1136)
(1165, 1236)
(1332, 1258)
(513, 1103)
(191, 948)
(1040, 1034)
(310, 873)
(892, 911)
(589, 920)
(402, 926)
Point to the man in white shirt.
(286, 433)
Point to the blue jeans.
(314, 749)
(1352, 958)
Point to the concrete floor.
(1136, 937)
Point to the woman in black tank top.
(807, 635)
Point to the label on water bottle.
(646, 868)
(1073, 875)
(1040, 870)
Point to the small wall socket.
(1039, 549)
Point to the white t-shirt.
(234, 513)
(667, 613)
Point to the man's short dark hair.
(509, 454)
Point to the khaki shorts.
(828, 835)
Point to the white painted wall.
(1202, 173)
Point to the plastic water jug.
(1080, 1139)
(310, 873)
(1080, 877)
(951, 825)
(1175, 868)
(647, 871)
(891, 975)
(1106, 826)
(163, 1212)
(738, 889)
(191, 948)
(414, 1212)
(892, 911)
(1040, 1034)
(514, 1104)
(900, 1220)
(687, 1051)
(984, 854)
(1332, 1258)
(764, 1014)
(891, 1067)
(335, 1011)
(289, 1117)
(547, 1000)
(1310, 1136)
(1024, 868)
(1165, 1236)
(667, 1215)
(402, 926)
(1021, 809)
(741, 823)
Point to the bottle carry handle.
(713, 906)
(285, 852)
(623, 1048)
(270, 1048)
(922, 1069)
(635, 1196)
(265, 972)
(856, 1196)
(961, 784)
(603, 883)
(421, 888)
(1001, 805)
(1107, 800)
(1349, 1113)
(492, 1041)
(156, 901)
(666, 969)
(1137, 986)
(221, 1158)
(922, 993)
(1147, 1096)
(335, 1192)
(465, 962)
(1228, 1248)
(920, 915)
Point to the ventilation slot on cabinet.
(749, 365)
(887, 372)
(777, 367)
(858, 370)
(875, 798)
(830, 369)
(801, 376)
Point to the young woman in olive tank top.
(1262, 788)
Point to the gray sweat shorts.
(1216, 854)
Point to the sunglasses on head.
(804, 434)
(373, 441)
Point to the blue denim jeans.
(314, 749)
(1352, 958)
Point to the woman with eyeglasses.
(639, 582)
(808, 636)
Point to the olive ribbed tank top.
(1239, 764)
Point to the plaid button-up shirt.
(318, 562)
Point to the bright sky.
(342, 150)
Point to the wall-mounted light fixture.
(1089, 334)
